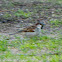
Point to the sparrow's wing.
(29, 29)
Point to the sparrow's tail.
(16, 32)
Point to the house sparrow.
(32, 30)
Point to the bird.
(32, 30)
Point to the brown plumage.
(30, 28)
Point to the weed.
(20, 13)
(3, 45)
(55, 23)
(7, 15)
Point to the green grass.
(7, 15)
(20, 13)
(55, 1)
(3, 45)
(34, 49)
(55, 23)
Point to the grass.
(17, 14)
(3, 45)
(55, 1)
(7, 15)
(55, 23)
(34, 49)
(20, 13)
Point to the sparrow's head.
(41, 23)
